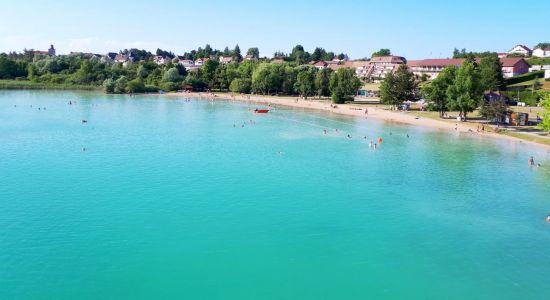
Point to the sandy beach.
(358, 110)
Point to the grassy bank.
(31, 85)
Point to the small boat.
(261, 111)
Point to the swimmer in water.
(324, 131)
(370, 145)
(548, 219)
(531, 161)
(349, 136)
(407, 135)
(374, 146)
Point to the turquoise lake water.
(171, 201)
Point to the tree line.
(291, 77)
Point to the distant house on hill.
(49, 52)
(226, 60)
(320, 65)
(187, 63)
(542, 52)
(521, 50)
(123, 59)
(250, 57)
(160, 60)
(200, 61)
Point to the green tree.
(436, 90)
(542, 45)
(305, 82)
(322, 82)
(318, 54)
(299, 55)
(208, 72)
(254, 52)
(237, 53)
(466, 92)
(382, 52)
(171, 75)
(493, 109)
(344, 85)
(399, 87)
(491, 77)
(545, 103)
(142, 71)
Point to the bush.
(169, 86)
(120, 85)
(109, 86)
(135, 86)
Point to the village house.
(187, 63)
(521, 50)
(320, 65)
(546, 72)
(123, 59)
(542, 52)
(160, 60)
(50, 52)
(200, 61)
(250, 57)
(226, 60)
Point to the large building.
(379, 67)
(512, 66)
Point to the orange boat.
(261, 111)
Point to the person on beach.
(482, 128)
(456, 126)
(531, 161)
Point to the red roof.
(436, 62)
(511, 61)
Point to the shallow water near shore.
(176, 199)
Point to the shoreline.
(405, 118)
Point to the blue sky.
(415, 29)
